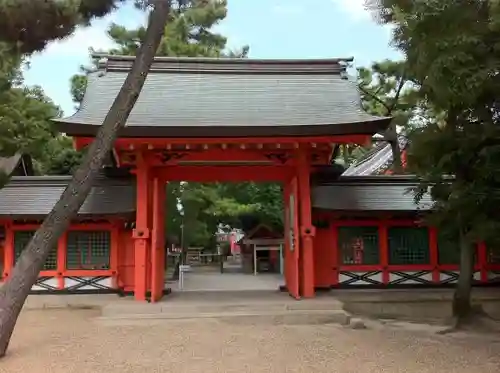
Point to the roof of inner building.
(35, 196)
(200, 97)
(377, 160)
(370, 193)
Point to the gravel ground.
(70, 341)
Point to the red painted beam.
(226, 173)
(181, 157)
(125, 143)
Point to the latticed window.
(358, 245)
(88, 250)
(408, 245)
(21, 239)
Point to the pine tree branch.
(373, 96)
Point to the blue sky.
(272, 29)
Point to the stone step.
(173, 308)
(287, 317)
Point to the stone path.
(71, 341)
(228, 281)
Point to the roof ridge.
(228, 65)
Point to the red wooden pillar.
(114, 254)
(141, 233)
(384, 251)
(291, 237)
(434, 251)
(149, 254)
(8, 254)
(307, 230)
(158, 240)
(62, 243)
(482, 260)
(335, 255)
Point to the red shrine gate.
(289, 161)
(234, 120)
(226, 120)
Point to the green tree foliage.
(264, 201)
(187, 34)
(453, 53)
(207, 206)
(386, 90)
(28, 25)
(61, 158)
(25, 114)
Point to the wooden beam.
(227, 173)
(124, 143)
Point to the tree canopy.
(452, 51)
(28, 25)
(25, 114)
(456, 70)
(387, 90)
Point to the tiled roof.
(376, 160)
(375, 193)
(35, 196)
(193, 97)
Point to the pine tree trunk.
(462, 305)
(391, 137)
(397, 164)
(25, 273)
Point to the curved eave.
(202, 103)
(369, 127)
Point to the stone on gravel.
(357, 324)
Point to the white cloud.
(355, 8)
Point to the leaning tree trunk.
(25, 273)
(391, 137)
(462, 305)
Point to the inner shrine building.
(233, 120)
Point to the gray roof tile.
(35, 196)
(375, 193)
(30, 196)
(229, 98)
(376, 160)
